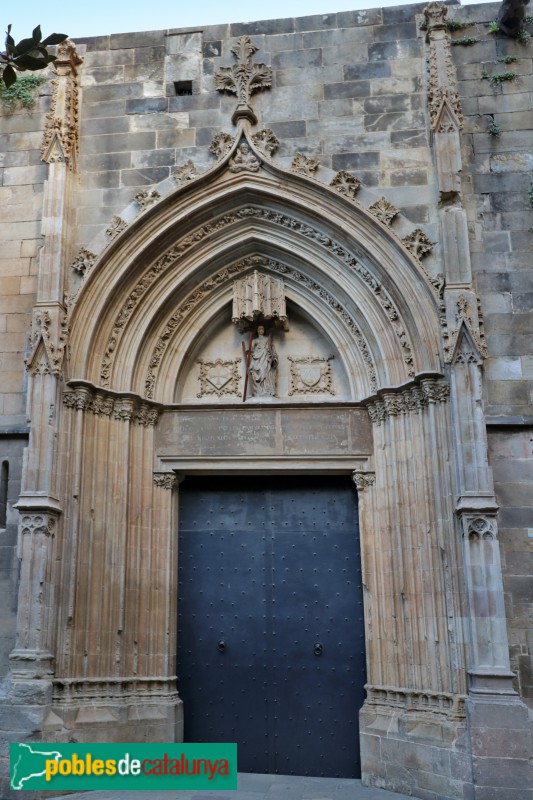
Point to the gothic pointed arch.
(162, 277)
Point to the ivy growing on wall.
(21, 93)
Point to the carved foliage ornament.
(304, 165)
(61, 132)
(221, 144)
(84, 262)
(243, 79)
(219, 377)
(145, 199)
(165, 480)
(363, 479)
(346, 184)
(310, 375)
(266, 141)
(384, 210)
(186, 173)
(117, 226)
(101, 403)
(418, 243)
(409, 401)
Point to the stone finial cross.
(243, 79)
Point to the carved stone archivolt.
(221, 277)
(346, 184)
(408, 401)
(243, 79)
(125, 408)
(220, 377)
(61, 133)
(310, 375)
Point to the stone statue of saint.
(263, 365)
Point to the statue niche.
(261, 362)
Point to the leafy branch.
(28, 55)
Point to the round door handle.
(318, 649)
(222, 647)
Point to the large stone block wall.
(496, 185)
(349, 89)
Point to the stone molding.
(408, 401)
(258, 295)
(480, 527)
(125, 408)
(185, 173)
(243, 79)
(61, 132)
(244, 160)
(446, 703)
(297, 226)
(321, 373)
(418, 244)
(89, 691)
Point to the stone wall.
(350, 90)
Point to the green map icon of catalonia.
(28, 761)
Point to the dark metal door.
(270, 627)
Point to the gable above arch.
(165, 277)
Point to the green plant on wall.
(530, 194)
(21, 93)
(29, 55)
(502, 77)
(494, 128)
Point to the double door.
(270, 621)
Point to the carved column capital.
(363, 479)
(167, 480)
